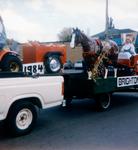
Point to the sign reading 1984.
(34, 68)
(127, 81)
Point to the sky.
(42, 20)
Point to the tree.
(65, 34)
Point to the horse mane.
(85, 43)
(91, 44)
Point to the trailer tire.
(11, 63)
(53, 64)
(103, 102)
(21, 118)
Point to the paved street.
(82, 128)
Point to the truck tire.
(53, 64)
(103, 102)
(11, 63)
(21, 118)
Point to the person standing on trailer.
(128, 48)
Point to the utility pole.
(107, 21)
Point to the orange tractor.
(52, 56)
(9, 60)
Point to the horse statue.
(97, 55)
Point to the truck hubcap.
(54, 65)
(24, 119)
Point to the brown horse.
(97, 55)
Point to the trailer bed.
(78, 86)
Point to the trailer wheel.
(21, 118)
(11, 63)
(53, 64)
(103, 102)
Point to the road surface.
(82, 128)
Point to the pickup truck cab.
(21, 95)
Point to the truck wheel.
(11, 63)
(103, 102)
(21, 118)
(53, 64)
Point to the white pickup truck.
(20, 97)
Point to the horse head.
(76, 38)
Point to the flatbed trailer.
(78, 86)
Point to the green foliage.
(65, 34)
